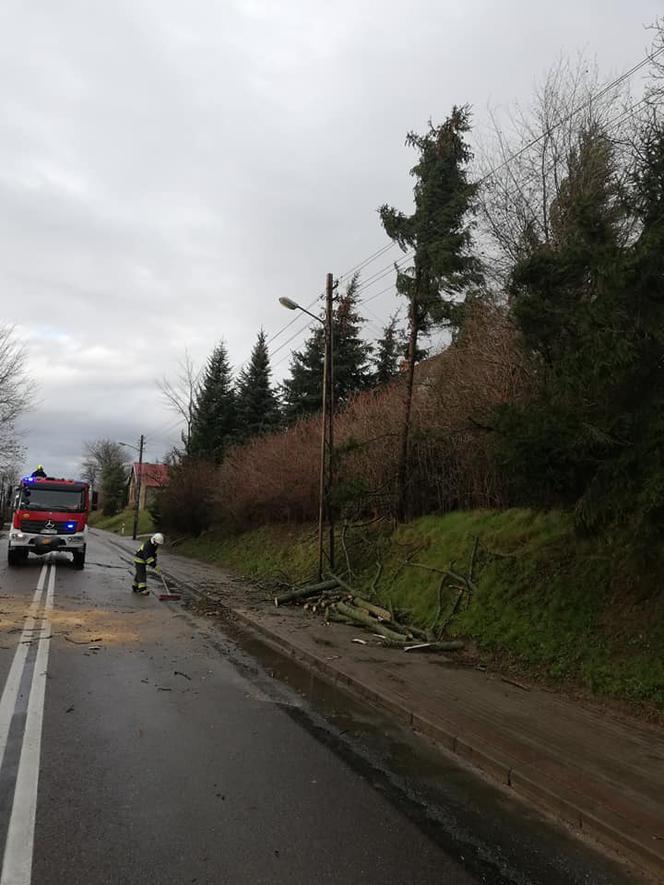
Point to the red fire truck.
(49, 514)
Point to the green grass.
(562, 607)
(268, 552)
(576, 611)
(126, 518)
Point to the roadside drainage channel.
(596, 830)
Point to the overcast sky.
(168, 169)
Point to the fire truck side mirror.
(95, 501)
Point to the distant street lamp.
(138, 449)
(327, 434)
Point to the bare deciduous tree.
(526, 159)
(105, 466)
(15, 397)
(180, 395)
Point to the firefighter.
(145, 555)
(39, 472)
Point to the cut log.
(361, 617)
(419, 634)
(305, 592)
(381, 613)
(342, 583)
(331, 615)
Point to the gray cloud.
(167, 170)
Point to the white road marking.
(17, 863)
(10, 691)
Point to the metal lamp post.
(327, 429)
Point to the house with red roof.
(153, 477)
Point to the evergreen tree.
(214, 422)
(352, 371)
(590, 305)
(389, 353)
(257, 406)
(439, 230)
(303, 390)
(439, 233)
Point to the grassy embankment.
(579, 611)
(124, 518)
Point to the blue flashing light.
(71, 525)
(28, 479)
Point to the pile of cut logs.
(339, 603)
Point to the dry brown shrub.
(275, 478)
(458, 392)
(186, 505)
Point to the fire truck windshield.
(60, 500)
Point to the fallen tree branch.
(473, 555)
(381, 613)
(345, 549)
(462, 579)
(449, 645)
(332, 615)
(305, 592)
(514, 682)
(361, 617)
(346, 586)
(377, 577)
(361, 525)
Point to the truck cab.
(49, 514)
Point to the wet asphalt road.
(141, 747)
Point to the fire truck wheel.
(13, 556)
(79, 559)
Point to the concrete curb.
(606, 828)
(582, 813)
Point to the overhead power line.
(577, 110)
(362, 264)
(385, 271)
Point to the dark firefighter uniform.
(145, 555)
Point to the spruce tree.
(303, 390)
(590, 313)
(439, 231)
(352, 371)
(389, 353)
(257, 405)
(439, 234)
(214, 423)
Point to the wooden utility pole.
(325, 511)
(329, 318)
(138, 486)
(402, 476)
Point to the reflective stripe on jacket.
(146, 553)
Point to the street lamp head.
(289, 303)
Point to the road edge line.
(19, 845)
(15, 675)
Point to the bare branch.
(180, 395)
